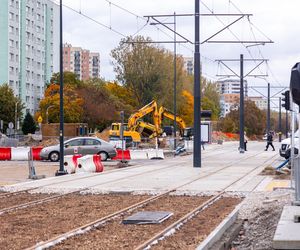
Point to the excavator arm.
(133, 120)
(163, 112)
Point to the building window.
(11, 57)
(12, 3)
(11, 42)
(11, 16)
(11, 70)
(11, 29)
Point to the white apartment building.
(260, 102)
(29, 47)
(189, 65)
(230, 90)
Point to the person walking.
(245, 141)
(270, 141)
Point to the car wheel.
(54, 156)
(104, 156)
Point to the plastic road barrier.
(138, 155)
(90, 164)
(155, 154)
(126, 155)
(36, 153)
(70, 163)
(19, 153)
(5, 154)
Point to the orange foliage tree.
(73, 104)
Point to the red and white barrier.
(138, 155)
(89, 164)
(125, 155)
(19, 153)
(36, 153)
(5, 154)
(70, 163)
(155, 154)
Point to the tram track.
(56, 196)
(104, 219)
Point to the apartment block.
(260, 102)
(229, 90)
(189, 65)
(82, 62)
(29, 47)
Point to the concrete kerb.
(215, 235)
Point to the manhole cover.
(147, 217)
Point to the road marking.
(277, 184)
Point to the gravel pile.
(261, 213)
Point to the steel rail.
(79, 230)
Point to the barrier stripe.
(126, 155)
(5, 154)
(36, 153)
(98, 163)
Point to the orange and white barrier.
(70, 163)
(89, 164)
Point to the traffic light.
(286, 100)
(295, 83)
(206, 113)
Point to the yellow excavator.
(135, 127)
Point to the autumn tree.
(147, 71)
(73, 110)
(8, 104)
(255, 120)
(69, 78)
(210, 100)
(100, 106)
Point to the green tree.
(147, 71)
(8, 104)
(29, 126)
(68, 78)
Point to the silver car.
(80, 145)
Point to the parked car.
(285, 146)
(80, 145)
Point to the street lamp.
(16, 118)
(174, 65)
(47, 113)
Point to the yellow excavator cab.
(115, 133)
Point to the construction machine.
(136, 127)
(165, 113)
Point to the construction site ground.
(223, 168)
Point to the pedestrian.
(270, 141)
(245, 141)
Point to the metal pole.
(175, 81)
(242, 115)
(16, 119)
(292, 144)
(197, 90)
(286, 124)
(268, 110)
(122, 134)
(61, 170)
(280, 120)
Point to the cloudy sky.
(272, 19)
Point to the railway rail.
(105, 219)
(56, 196)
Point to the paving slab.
(287, 234)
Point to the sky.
(271, 20)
